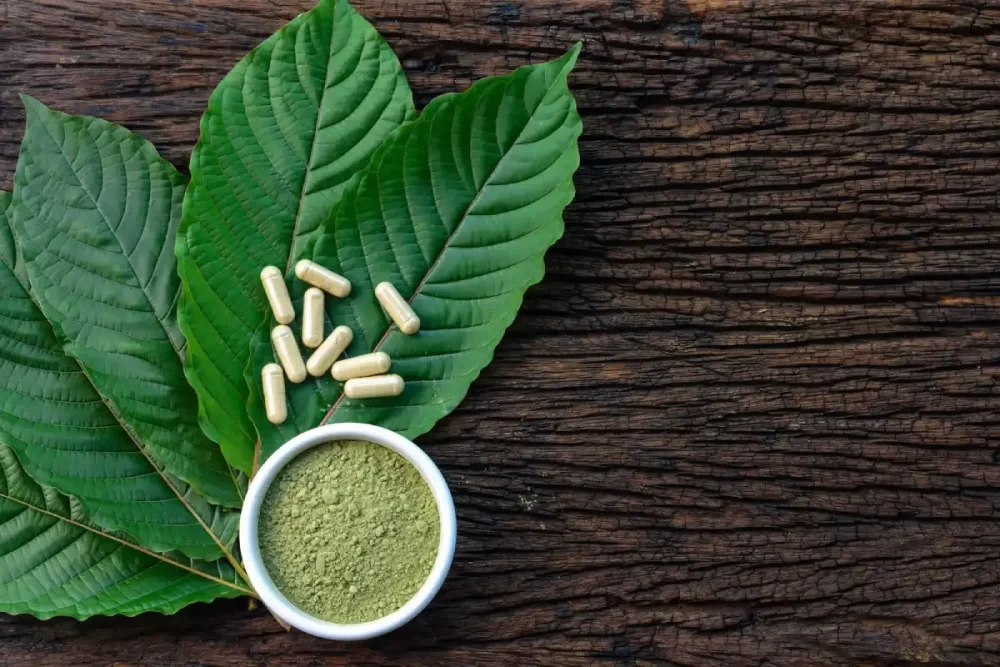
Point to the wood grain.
(750, 417)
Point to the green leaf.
(113, 425)
(457, 210)
(95, 213)
(8, 250)
(283, 133)
(53, 562)
(67, 437)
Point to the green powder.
(349, 531)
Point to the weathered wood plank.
(750, 417)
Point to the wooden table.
(749, 418)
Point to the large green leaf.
(53, 562)
(69, 437)
(95, 214)
(283, 133)
(457, 210)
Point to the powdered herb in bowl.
(348, 531)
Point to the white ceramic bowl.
(269, 593)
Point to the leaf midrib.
(131, 434)
(447, 243)
(130, 545)
(305, 183)
(180, 352)
(142, 450)
(312, 145)
(107, 222)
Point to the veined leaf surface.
(95, 215)
(53, 562)
(68, 437)
(457, 210)
(283, 133)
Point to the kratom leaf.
(68, 437)
(53, 562)
(283, 133)
(9, 254)
(457, 210)
(95, 214)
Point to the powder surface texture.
(349, 531)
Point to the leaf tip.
(34, 108)
(565, 64)
(572, 55)
(30, 103)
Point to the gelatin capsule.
(277, 294)
(398, 309)
(374, 387)
(288, 353)
(332, 347)
(323, 278)
(375, 363)
(312, 317)
(273, 380)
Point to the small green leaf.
(457, 210)
(95, 214)
(283, 133)
(53, 562)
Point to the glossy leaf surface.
(457, 210)
(92, 394)
(54, 563)
(284, 132)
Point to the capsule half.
(273, 381)
(378, 386)
(327, 353)
(312, 317)
(397, 308)
(365, 365)
(323, 278)
(288, 353)
(277, 294)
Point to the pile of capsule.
(364, 376)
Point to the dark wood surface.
(751, 415)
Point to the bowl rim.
(250, 547)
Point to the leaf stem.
(166, 479)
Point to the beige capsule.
(288, 353)
(374, 387)
(273, 381)
(397, 307)
(323, 278)
(327, 353)
(375, 363)
(277, 294)
(312, 317)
